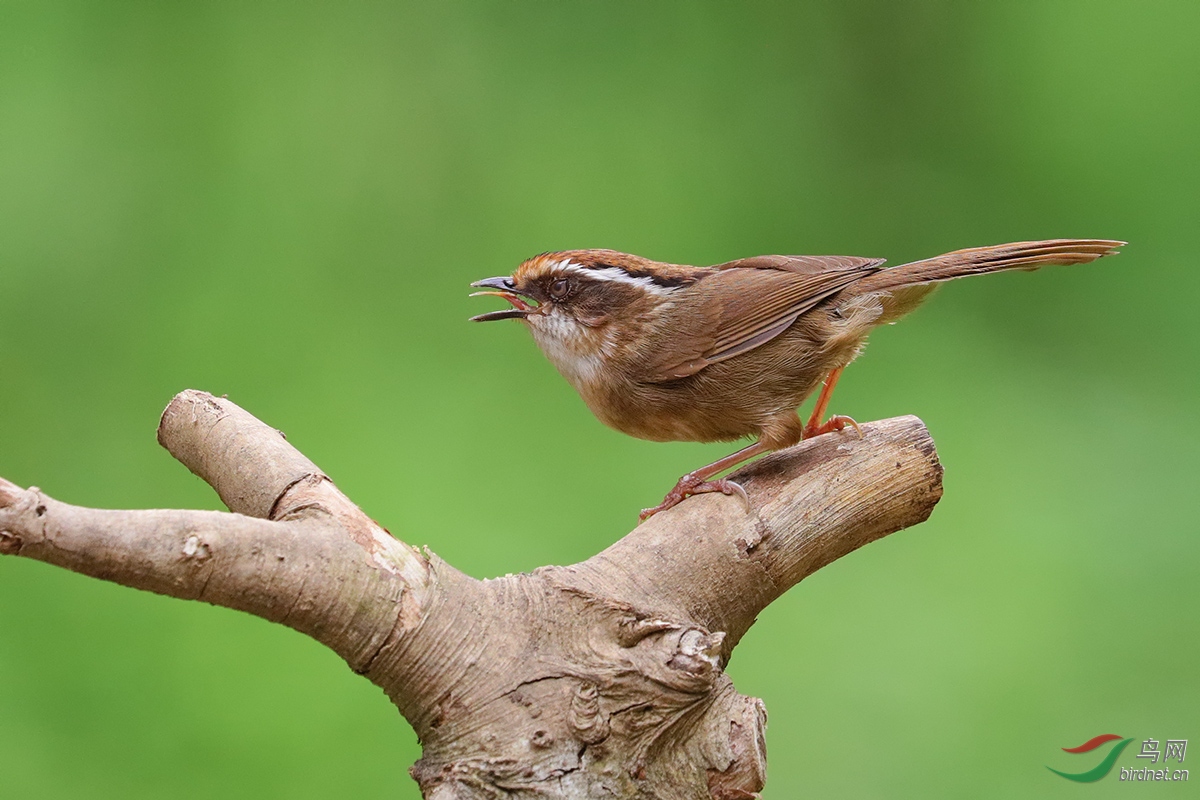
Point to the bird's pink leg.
(698, 482)
(837, 422)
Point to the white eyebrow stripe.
(614, 274)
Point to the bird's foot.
(689, 485)
(837, 422)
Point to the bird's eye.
(559, 288)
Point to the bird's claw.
(838, 422)
(691, 484)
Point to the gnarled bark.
(601, 679)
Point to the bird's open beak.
(506, 289)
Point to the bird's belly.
(740, 397)
(661, 413)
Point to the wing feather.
(737, 308)
(802, 264)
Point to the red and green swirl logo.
(1106, 764)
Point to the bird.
(671, 352)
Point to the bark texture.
(598, 680)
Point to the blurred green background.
(285, 203)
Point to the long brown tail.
(979, 260)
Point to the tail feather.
(980, 260)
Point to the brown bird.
(669, 352)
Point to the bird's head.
(579, 303)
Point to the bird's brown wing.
(803, 264)
(736, 309)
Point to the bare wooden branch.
(811, 504)
(601, 679)
(256, 472)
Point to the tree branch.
(811, 504)
(602, 679)
(256, 472)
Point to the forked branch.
(602, 679)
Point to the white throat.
(577, 351)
